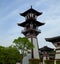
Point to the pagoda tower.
(31, 31)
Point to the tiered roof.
(31, 10)
(37, 23)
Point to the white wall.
(35, 50)
(57, 56)
(26, 59)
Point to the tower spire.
(31, 6)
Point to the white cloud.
(51, 16)
(39, 2)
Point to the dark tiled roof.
(53, 39)
(29, 21)
(45, 48)
(31, 10)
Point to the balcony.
(30, 29)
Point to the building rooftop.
(46, 48)
(29, 21)
(31, 10)
(53, 39)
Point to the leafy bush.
(9, 55)
(34, 61)
(49, 61)
(58, 62)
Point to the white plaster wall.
(35, 50)
(58, 51)
(57, 56)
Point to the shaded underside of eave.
(31, 32)
(53, 40)
(34, 22)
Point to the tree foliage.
(9, 55)
(23, 44)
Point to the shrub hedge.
(38, 61)
(34, 61)
(58, 62)
(49, 61)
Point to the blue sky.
(9, 17)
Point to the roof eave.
(53, 40)
(31, 10)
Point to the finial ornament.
(31, 6)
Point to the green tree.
(23, 45)
(2, 49)
(13, 55)
(9, 55)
